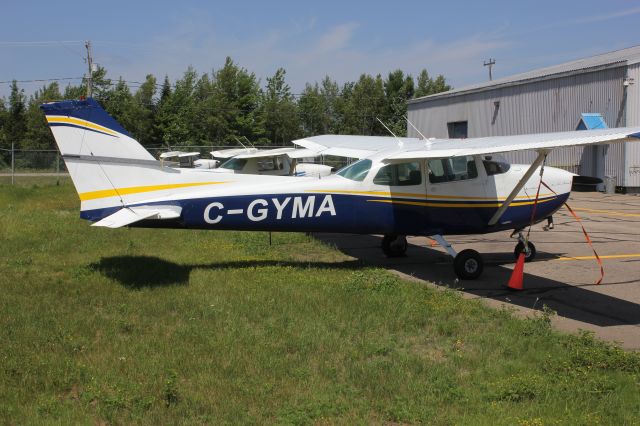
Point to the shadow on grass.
(144, 271)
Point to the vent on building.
(591, 121)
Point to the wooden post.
(13, 162)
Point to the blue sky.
(342, 39)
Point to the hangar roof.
(617, 58)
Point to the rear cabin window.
(404, 174)
(452, 169)
(356, 171)
(495, 165)
(270, 163)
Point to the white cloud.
(305, 52)
(336, 38)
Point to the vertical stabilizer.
(82, 127)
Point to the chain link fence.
(20, 163)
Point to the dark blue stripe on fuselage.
(353, 214)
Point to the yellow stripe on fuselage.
(82, 123)
(427, 204)
(105, 193)
(422, 196)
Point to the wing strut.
(542, 154)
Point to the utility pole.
(87, 44)
(490, 63)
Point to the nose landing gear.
(468, 264)
(524, 246)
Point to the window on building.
(404, 174)
(452, 169)
(457, 129)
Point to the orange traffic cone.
(517, 276)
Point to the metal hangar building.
(558, 98)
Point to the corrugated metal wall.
(632, 157)
(543, 106)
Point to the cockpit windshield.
(356, 171)
(234, 164)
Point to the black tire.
(468, 264)
(394, 245)
(520, 248)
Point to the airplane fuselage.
(339, 204)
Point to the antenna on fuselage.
(400, 143)
(249, 142)
(238, 140)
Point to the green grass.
(183, 327)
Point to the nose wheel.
(526, 246)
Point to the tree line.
(224, 106)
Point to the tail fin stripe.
(81, 124)
(105, 193)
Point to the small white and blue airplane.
(399, 187)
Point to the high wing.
(232, 152)
(351, 146)
(408, 148)
(290, 152)
(499, 144)
(128, 215)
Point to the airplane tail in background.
(110, 170)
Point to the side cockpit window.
(403, 174)
(452, 169)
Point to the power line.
(38, 43)
(41, 80)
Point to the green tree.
(364, 101)
(177, 113)
(427, 86)
(4, 119)
(280, 110)
(101, 86)
(119, 103)
(440, 85)
(16, 124)
(331, 94)
(398, 89)
(143, 112)
(165, 92)
(313, 111)
(37, 133)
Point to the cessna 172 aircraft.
(277, 161)
(399, 187)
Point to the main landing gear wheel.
(468, 264)
(394, 245)
(529, 255)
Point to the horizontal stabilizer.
(128, 215)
